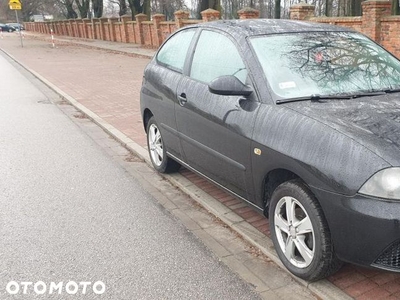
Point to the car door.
(215, 130)
(161, 79)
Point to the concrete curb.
(323, 288)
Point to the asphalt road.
(70, 214)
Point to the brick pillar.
(139, 27)
(76, 28)
(94, 31)
(77, 31)
(71, 28)
(180, 16)
(124, 29)
(209, 15)
(373, 11)
(52, 26)
(157, 19)
(57, 27)
(302, 11)
(248, 13)
(113, 32)
(102, 21)
(85, 28)
(66, 27)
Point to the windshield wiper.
(368, 93)
(378, 92)
(389, 91)
(315, 98)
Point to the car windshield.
(325, 63)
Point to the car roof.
(253, 27)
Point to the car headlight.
(384, 184)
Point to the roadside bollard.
(52, 37)
(1, 32)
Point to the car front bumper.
(365, 230)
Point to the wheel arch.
(272, 180)
(147, 114)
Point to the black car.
(7, 28)
(300, 120)
(17, 26)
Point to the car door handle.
(182, 99)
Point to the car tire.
(300, 232)
(157, 151)
(10, 30)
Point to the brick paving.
(108, 83)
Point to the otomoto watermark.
(42, 288)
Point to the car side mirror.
(229, 85)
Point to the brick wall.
(376, 22)
(390, 34)
(149, 33)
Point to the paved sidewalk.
(103, 79)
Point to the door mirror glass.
(229, 85)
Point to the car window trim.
(190, 54)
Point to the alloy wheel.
(295, 232)
(155, 145)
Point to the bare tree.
(277, 9)
(97, 6)
(213, 4)
(137, 7)
(83, 7)
(123, 8)
(395, 7)
(71, 13)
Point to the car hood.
(373, 122)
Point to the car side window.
(216, 55)
(173, 52)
